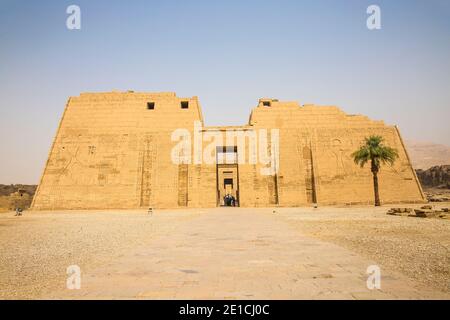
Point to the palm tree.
(374, 150)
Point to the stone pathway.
(234, 253)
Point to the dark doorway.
(227, 185)
(227, 174)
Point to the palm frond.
(375, 151)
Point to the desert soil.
(226, 253)
(417, 247)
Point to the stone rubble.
(425, 211)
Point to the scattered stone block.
(438, 199)
(425, 213)
(399, 211)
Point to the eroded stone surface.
(113, 150)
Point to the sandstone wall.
(112, 151)
(316, 143)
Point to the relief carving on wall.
(74, 163)
(340, 154)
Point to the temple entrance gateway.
(227, 176)
(227, 183)
(125, 150)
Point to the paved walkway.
(233, 253)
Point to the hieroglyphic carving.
(111, 151)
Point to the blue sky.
(229, 53)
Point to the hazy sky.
(229, 53)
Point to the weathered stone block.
(425, 213)
(113, 150)
(400, 211)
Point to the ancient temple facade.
(138, 150)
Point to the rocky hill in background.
(425, 155)
(16, 195)
(435, 177)
(435, 182)
(7, 189)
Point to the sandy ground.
(36, 249)
(417, 247)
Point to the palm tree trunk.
(375, 189)
(374, 170)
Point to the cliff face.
(8, 189)
(16, 195)
(437, 176)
